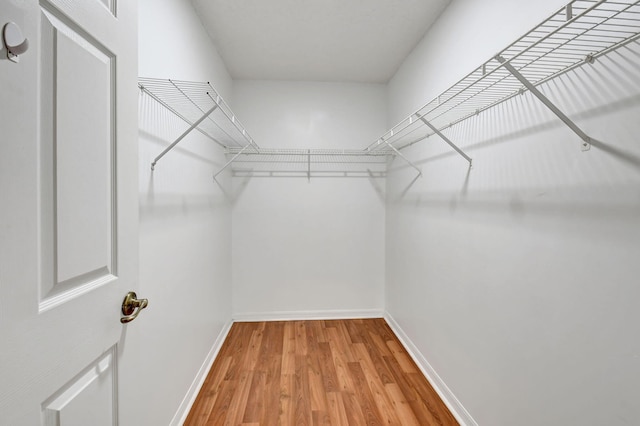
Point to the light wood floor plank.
(327, 368)
(337, 413)
(287, 404)
(304, 373)
(302, 396)
(213, 385)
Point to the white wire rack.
(575, 35)
(202, 108)
(310, 162)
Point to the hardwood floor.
(343, 372)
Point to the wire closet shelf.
(575, 35)
(310, 162)
(202, 108)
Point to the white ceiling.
(317, 40)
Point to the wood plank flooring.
(303, 373)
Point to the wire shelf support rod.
(447, 140)
(182, 136)
(402, 156)
(586, 144)
(232, 160)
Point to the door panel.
(68, 210)
(78, 84)
(88, 399)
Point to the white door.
(68, 209)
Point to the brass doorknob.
(131, 307)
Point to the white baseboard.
(459, 412)
(308, 315)
(192, 393)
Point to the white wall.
(308, 248)
(515, 280)
(185, 223)
(518, 280)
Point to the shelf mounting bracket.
(231, 160)
(586, 140)
(182, 136)
(447, 140)
(402, 156)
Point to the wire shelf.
(287, 152)
(309, 162)
(190, 101)
(575, 35)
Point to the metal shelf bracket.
(402, 156)
(231, 160)
(182, 136)
(586, 140)
(447, 140)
